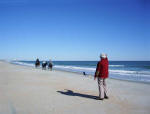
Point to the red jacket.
(102, 69)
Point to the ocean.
(138, 71)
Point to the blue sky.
(74, 29)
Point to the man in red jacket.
(101, 74)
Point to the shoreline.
(88, 75)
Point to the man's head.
(103, 56)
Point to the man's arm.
(97, 70)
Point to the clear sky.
(74, 29)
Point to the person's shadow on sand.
(71, 93)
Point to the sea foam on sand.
(26, 90)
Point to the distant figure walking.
(44, 64)
(101, 74)
(50, 65)
(37, 63)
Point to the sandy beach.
(26, 90)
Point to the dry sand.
(25, 90)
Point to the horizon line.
(64, 60)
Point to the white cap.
(103, 55)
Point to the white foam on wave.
(23, 64)
(116, 65)
(92, 70)
(134, 73)
(118, 74)
(75, 68)
(123, 71)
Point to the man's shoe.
(106, 97)
(99, 98)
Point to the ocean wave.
(131, 78)
(22, 63)
(123, 71)
(75, 68)
(114, 73)
(116, 65)
(92, 70)
(127, 72)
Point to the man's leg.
(105, 89)
(101, 88)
